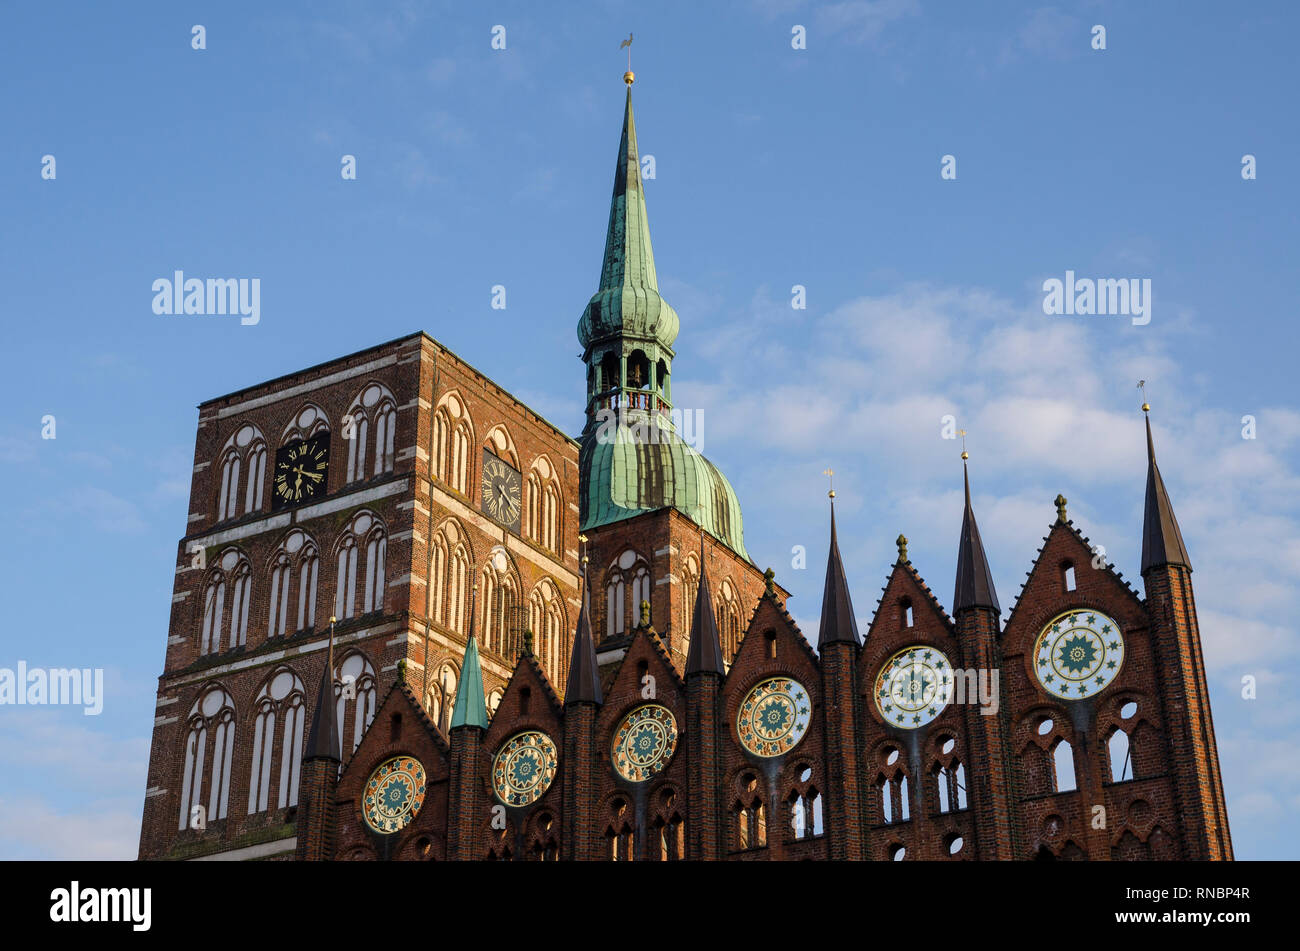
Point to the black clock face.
(502, 486)
(301, 470)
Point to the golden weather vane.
(629, 76)
(964, 453)
(830, 477)
(1142, 385)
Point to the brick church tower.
(559, 649)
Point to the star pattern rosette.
(524, 768)
(393, 795)
(1078, 654)
(644, 743)
(914, 686)
(774, 717)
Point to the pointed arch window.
(1118, 751)
(370, 531)
(242, 473)
(354, 694)
(373, 418)
(1063, 767)
(499, 599)
(209, 747)
(441, 697)
(226, 598)
(295, 562)
(546, 622)
(277, 753)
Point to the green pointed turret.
(627, 303)
(638, 454)
(470, 708)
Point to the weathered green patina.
(633, 458)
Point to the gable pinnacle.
(704, 654)
(901, 542)
(323, 738)
(838, 624)
(583, 685)
(1060, 509)
(470, 708)
(1162, 540)
(974, 588)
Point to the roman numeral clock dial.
(502, 488)
(301, 470)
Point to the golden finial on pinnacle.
(582, 540)
(1142, 385)
(964, 453)
(629, 77)
(830, 476)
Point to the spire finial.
(582, 541)
(964, 453)
(901, 542)
(1060, 509)
(1142, 385)
(769, 583)
(629, 77)
(830, 479)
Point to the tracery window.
(277, 753)
(243, 473)
(209, 746)
(370, 425)
(226, 597)
(354, 693)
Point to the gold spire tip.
(629, 77)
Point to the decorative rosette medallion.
(524, 768)
(644, 743)
(914, 686)
(394, 793)
(774, 717)
(1078, 654)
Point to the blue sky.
(774, 167)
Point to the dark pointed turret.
(318, 782)
(705, 652)
(584, 673)
(838, 621)
(323, 737)
(1162, 541)
(974, 579)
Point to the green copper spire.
(627, 303)
(470, 708)
(638, 453)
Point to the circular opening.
(949, 745)
(955, 845)
(897, 853)
(1127, 711)
(1045, 726)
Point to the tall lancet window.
(209, 747)
(277, 742)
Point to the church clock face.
(1078, 654)
(913, 687)
(644, 743)
(524, 768)
(774, 717)
(300, 472)
(502, 488)
(394, 793)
